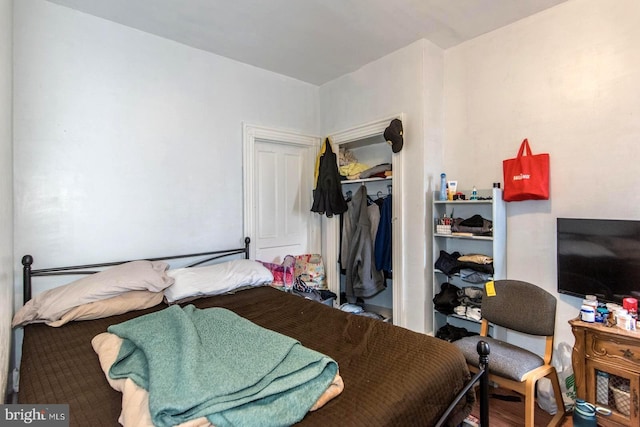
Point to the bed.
(392, 376)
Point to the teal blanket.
(216, 364)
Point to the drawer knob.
(628, 354)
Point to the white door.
(279, 168)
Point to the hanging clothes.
(383, 238)
(347, 224)
(362, 278)
(327, 196)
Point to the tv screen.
(599, 257)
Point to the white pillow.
(52, 304)
(216, 279)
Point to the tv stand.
(606, 363)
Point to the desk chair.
(526, 308)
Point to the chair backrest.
(521, 306)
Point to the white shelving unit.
(491, 207)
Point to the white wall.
(567, 79)
(407, 81)
(6, 189)
(129, 145)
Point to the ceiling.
(314, 41)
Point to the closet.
(371, 194)
(369, 146)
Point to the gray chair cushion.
(505, 360)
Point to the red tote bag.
(527, 176)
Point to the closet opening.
(364, 149)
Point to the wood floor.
(504, 413)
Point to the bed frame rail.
(483, 378)
(28, 272)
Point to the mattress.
(392, 376)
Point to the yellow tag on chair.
(490, 288)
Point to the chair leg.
(529, 402)
(557, 391)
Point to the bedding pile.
(212, 363)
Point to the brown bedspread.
(392, 376)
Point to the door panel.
(266, 180)
(282, 200)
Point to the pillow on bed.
(50, 305)
(216, 279)
(129, 301)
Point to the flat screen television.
(599, 257)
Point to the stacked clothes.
(465, 301)
(350, 168)
(470, 302)
(476, 225)
(455, 263)
(473, 268)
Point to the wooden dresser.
(606, 363)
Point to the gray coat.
(362, 279)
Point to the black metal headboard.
(28, 273)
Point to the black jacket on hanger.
(327, 197)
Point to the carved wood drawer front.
(614, 348)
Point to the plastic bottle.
(443, 186)
(474, 193)
(631, 304)
(584, 414)
(587, 313)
